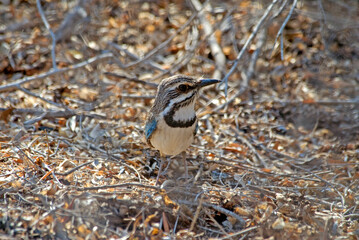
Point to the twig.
(47, 25)
(50, 171)
(37, 96)
(317, 102)
(122, 185)
(74, 169)
(24, 154)
(116, 159)
(58, 114)
(17, 84)
(183, 61)
(136, 96)
(196, 214)
(249, 74)
(239, 233)
(280, 10)
(50, 114)
(215, 222)
(76, 16)
(162, 45)
(297, 167)
(252, 64)
(244, 140)
(135, 57)
(215, 207)
(131, 79)
(280, 32)
(216, 49)
(249, 40)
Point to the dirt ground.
(276, 155)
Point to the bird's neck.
(181, 115)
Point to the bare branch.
(280, 32)
(163, 44)
(47, 25)
(75, 17)
(122, 185)
(249, 40)
(258, 157)
(18, 83)
(216, 49)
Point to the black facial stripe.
(180, 124)
(170, 95)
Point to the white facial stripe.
(176, 100)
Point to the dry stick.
(215, 222)
(131, 79)
(249, 74)
(137, 96)
(76, 16)
(280, 32)
(262, 190)
(122, 185)
(192, 38)
(216, 207)
(252, 169)
(17, 84)
(50, 114)
(37, 96)
(53, 175)
(24, 154)
(249, 40)
(93, 146)
(318, 102)
(216, 49)
(190, 51)
(162, 45)
(74, 169)
(244, 140)
(321, 201)
(135, 57)
(196, 214)
(239, 233)
(47, 25)
(308, 171)
(323, 24)
(58, 114)
(280, 10)
(186, 57)
(295, 166)
(239, 57)
(233, 33)
(252, 64)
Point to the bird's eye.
(183, 87)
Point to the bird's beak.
(206, 82)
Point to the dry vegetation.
(277, 158)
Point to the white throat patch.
(186, 113)
(177, 100)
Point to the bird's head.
(176, 95)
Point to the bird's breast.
(172, 140)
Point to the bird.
(172, 123)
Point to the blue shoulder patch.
(196, 129)
(150, 127)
